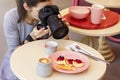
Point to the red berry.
(70, 61)
(78, 61)
(60, 58)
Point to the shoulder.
(12, 14)
(10, 20)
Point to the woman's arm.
(11, 31)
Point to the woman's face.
(34, 10)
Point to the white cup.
(44, 68)
(51, 47)
(96, 13)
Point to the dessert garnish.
(69, 62)
(60, 58)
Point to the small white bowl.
(79, 12)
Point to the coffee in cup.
(44, 60)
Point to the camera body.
(49, 16)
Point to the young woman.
(19, 29)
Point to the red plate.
(112, 18)
(70, 55)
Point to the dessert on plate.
(68, 64)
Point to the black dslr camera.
(49, 16)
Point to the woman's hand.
(35, 34)
(63, 19)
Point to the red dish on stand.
(111, 19)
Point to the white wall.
(62, 3)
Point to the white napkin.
(73, 47)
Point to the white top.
(24, 62)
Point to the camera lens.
(60, 33)
(57, 27)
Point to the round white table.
(106, 3)
(25, 58)
(103, 46)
